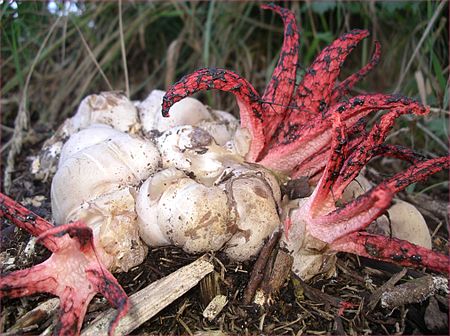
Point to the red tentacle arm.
(346, 85)
(17, 284)
(416, 173)
(359, 213)
(249, 101)
(313, 165)
(398, 152)
(325, 221)
(369, 147)
(314, 91)
(279, 90)
(293, 143)
(73, 272)
(354, 216)
(391, 249)
(27, 220)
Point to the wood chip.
(215, 307)
(149, 301)
(277, 275)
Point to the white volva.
(96, 184)
(109, 108)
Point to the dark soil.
(294, 310)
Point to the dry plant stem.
(149, 301)
(22, 119)
(419, 44)
(315, 294)
(173, 53)
(92, 56)
(376, 296)
(258, 270)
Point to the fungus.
(293, 129)
(220, 125)
(242, 206)
(73, 272)
(301, 129)
(318, 228)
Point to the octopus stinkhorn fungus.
(206, 185)
(74, 272)
(302, 129)
(318, 228)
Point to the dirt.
(312, 309)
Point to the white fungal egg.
(87, 137)
(195, 217)
(403, 220)
(222, 128)
(237, 211)
(220, 125)
(174, 209)
(188, 111)
(147, 202)
(150, 109)
(194, 151)
(121, 161)
(94, 184)
(112, 217)
(109, 108)
(257, 215)
(240, 143)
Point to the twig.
(149, 301)
(258, 270)
(36, 316)
(376, 296)
(414, 291)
